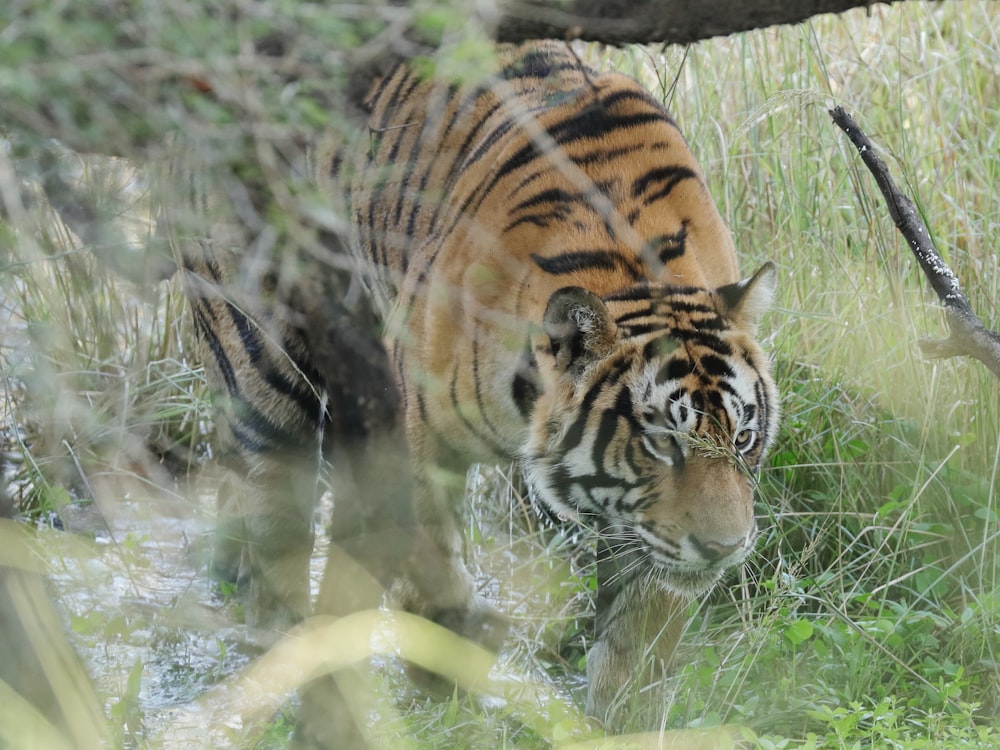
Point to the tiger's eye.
(664, 445)
(744, 439)
(664, 442)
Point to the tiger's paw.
(478, 623)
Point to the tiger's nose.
(713, 551)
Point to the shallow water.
(138, 602)
(136, 597)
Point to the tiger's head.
(655, 414)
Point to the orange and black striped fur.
(558, 288)
(562, 291)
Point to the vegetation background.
(870, 616)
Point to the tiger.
(556, 288)
(561, 291)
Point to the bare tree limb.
(968, 336)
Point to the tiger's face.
(656, 412)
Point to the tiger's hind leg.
(369, 542)
(264, 539)
(229, 537)
(269, 413)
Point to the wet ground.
(153, 631)
(157, 636)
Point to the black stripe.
(670, 246)
(704, 340)
(537, 63)
(462, 113)
(604, 155)
(247, 442)
(677, 397)
(574, 435)
(711, 400)
(388, 110)
(414, 112)
(552, 195)
(641, 292)
(532, 176)
(579, 125)
(666, 177)
(636, 330)
(587, 260)
(764, 419)
(686, 305)
(608, 426)
(461, 162)
(207, 333)
(674, 369)
(715, 366)
(502, 129)
(251, 345)
(469, 426)
(597, 118)
(411, 223)
(559, 204)
(371, 101)
(478, 390)
(590, 482)
(727, 387)
(411, 164)
(305, 398)
(256, 434)
(212, 266)
(387, 102)
(336, 163)
(376, 241)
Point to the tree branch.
(968, 336)
(648, 21)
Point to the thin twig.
(968, 336)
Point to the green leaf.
(798, 631)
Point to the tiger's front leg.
(638, 626)
(437, 583)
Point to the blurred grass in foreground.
(870, 616)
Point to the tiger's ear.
(579, 328)
(746, 301)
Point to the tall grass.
(877, 583)
(871, 615)
(98, 368)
